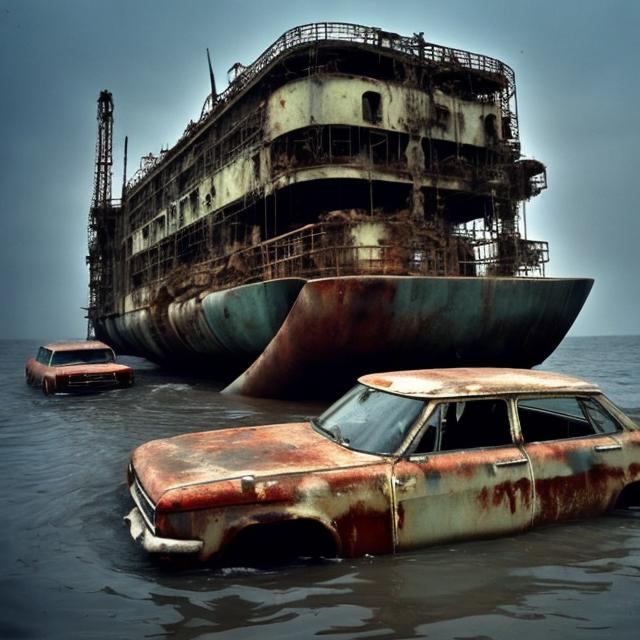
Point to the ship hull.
(229, 327)
(340, 328)
(312, 339)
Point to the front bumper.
(153, 544)
(78, 385)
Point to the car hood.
(75, 369)
(213, 456)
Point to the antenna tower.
(101, 211)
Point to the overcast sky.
(576, 65)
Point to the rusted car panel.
(189, 462)
(454, 454)
(352, 505)
(576, 478)
(460, 495)
(69, 367)
(258, 467)
(465, 382)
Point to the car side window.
(602, 420)
(543, 419)
(43, 356)
(473, 424)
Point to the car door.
(463, 477)
(577, 462)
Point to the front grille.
(144, 503)
(92, 380)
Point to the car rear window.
(543, 419)
(82, 356)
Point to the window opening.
(182, 216)
(560, 418)
(442, 114)
(491, 128)
(599, 417)
(194, 198)
(474, 424)
(372, 106)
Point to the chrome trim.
(144, 503)
(607, 447)
(153, 544)
(510, 463)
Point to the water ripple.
(69, 568)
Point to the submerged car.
(401, 461)
(65, 367)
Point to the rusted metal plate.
(189, 322)
(462, 494)
(341, 328)
(352, 504)
(76, 345)
(189, 461)
(233, 324)
(211, 485)
(475, 382)
(576, 477)
(245, 319)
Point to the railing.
(507, 255)
(414, 47)
(328, 249)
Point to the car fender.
(222, 527)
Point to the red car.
(66, 367)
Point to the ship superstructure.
(344, 159)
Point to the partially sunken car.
(64, 367)
(402, 460)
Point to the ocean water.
(70, 570)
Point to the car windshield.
(370, 420)
(82, 356)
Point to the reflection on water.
(69, 568)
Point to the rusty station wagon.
(402, 460)
(65, 367)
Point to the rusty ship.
(352, 201)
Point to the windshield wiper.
(333, 432)
(318, 425)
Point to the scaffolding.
(101, 213)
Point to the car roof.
(76, 345)
(476, 382)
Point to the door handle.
(409, 483)
(510, 463)
(607, 447)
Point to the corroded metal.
(340, 328)
(212, 486)
(343, 150)
(67, 376)
(464, 382)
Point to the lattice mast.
(104, 152)
(101, 206)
